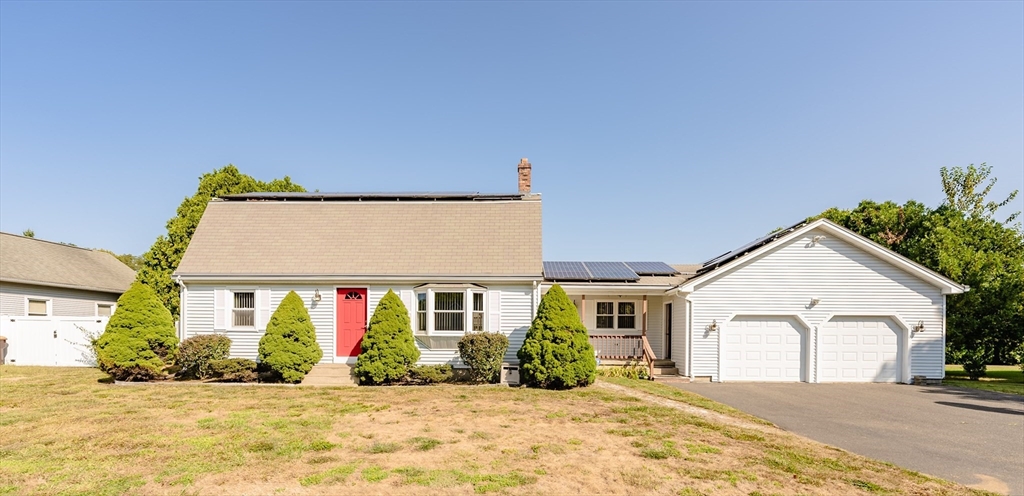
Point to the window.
(616, 315)
(627, 315)
(449, 313)
(478, 311)
(605, 315)
(104, 309)
(243, 314)
(421, 312)
(38, 308)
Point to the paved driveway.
(968, 436)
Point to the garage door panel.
(859, 349)
(763, 349)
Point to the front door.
(351, 309)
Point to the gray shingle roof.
(378, 238)
(34, 261)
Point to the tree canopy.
(163, 257)
(963, 240)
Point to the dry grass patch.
(63, 431)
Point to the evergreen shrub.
(196, 353)
(139, 340)
(483, 353)
(289, 349)
(557, 353)
(388, 348)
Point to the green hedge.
(139, 340)
(196, 353)
(289, 349)
(233, 370)
(388, 348)
(483, 353)
(557, 353)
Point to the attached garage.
(814, 302)
(860, 349)
(760, 348)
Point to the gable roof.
(350, 236)
(44, 263)
(718, 266)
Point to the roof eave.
(64, 286)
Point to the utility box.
(510, 374)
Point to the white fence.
(61, 341)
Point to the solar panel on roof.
(610, 271)
(652, 268)
(566, 271)
(748, 247)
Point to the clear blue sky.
(663, 131)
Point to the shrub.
(430, 374)
(388, 348)
(973, 360)
(196, 353)
(557, 352)
(139, 340)
(289, 349)
(233, 370)
(483, 352)
(632, 370)
(1018, 356)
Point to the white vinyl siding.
(847, 280)
(63, 302)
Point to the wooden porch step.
(330, 374)
(665, 371)
(664, 363)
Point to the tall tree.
(163, 257)
(962, 194)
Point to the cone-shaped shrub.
(388, 348)
(557, 353)
(289, 348)
(140, 339)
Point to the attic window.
(243, 314)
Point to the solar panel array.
(605, 271)
(738, 252)
(652, 268)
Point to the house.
(814, 302)
(49, 292)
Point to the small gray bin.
(510, 374)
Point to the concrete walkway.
(969, 436)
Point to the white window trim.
(113, 307)
(615, 314)
(467, 309)
(231, 309)
(49, 305)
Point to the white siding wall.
(516, 313)
(64, 302)
(846, 279)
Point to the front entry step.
(330, 374)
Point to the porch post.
(644, 331)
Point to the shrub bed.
(196, 353)
(233, 370)
(483, 352)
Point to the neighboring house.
(812, 303)
(47, 291)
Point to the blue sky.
(662, 131)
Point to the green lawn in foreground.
(999, 378)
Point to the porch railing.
(618, 347)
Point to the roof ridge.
(51, 242)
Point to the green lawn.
(65, 431)
(1000, 378)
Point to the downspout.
(182, 295)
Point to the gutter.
(353, 278)
(66, 286)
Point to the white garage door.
(763, 349)
(859, 349)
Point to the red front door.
(351, 308)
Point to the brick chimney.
(524, 176)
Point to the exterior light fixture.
(316, 295)
(816, 239)
(714, 326)
(815, 301)
(919, 327)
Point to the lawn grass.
(62, 431)
(999, 378)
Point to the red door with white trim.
(351, 325)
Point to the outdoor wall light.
(817, 238)
(316, 295)
(919, 327)
(714, 326)
(815, 301)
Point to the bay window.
(450, 309)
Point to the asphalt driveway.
(965, 435)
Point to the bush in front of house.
(139, 340)
(483, 353)
(388, 348)
(196, 353)
(430, 374)
(1018, 356)
(233, 370)
(974, 361)
(288, 350)
(557, 353)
